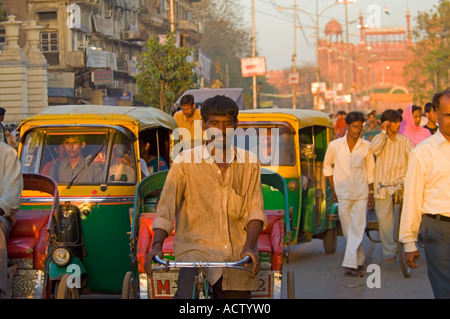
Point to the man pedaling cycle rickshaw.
(213, 198)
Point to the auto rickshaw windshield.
(94, 156)
(274, 145)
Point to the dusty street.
(318, 275)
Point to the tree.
(164, 73)
(226, 39)
(2, 12)
(431, 66)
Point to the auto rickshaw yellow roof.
(146, 117)
(305, 117)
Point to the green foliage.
(2, 12)
(164, 73)
(431, 66)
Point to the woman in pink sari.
(411, 125)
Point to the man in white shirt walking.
(349, 167)
(426, 202)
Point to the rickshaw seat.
(271, 238)
(145, 240)
(28, 238)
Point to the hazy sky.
(275, 28)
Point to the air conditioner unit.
(131, 35)
(108, 14)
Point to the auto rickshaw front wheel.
(63, 291)
(329, 239)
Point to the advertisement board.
(253, 66)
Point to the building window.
(49, 15)
(2, 40)
(49, 47)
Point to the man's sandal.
(353, 272)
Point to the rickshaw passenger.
(217, 207)
(147, 150)
(66, 169)
(121, 170)
(11, 185)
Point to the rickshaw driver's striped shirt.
(212, 210)
(391, 161)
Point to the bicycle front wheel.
(406, 270)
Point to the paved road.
(318, 275)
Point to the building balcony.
(94, 3)
(186, 25)
(153, 19)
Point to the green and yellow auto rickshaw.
(293, 144)
(93, 154)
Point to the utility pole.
(294, 58)
(172, 15)
(317, 42)
(347, 49)
(317, 31)
(294, 55)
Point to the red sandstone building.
(371, 71)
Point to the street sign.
(294, 79)
(330, 94)
(318, 87)
(253, 66)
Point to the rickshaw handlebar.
(399, 183)
(200, 264)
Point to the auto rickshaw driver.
(69, 168)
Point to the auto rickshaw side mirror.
(103, 187)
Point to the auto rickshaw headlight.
(61, 256)
(293, 185)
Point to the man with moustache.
(75, 164)
(392, 152)
(426, 202)
(213, 195)
(349, 168)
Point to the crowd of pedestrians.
(371, 158)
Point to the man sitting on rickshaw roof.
(66, 169)
(187, 118)
(216, 206)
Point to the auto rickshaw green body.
(104, 206)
